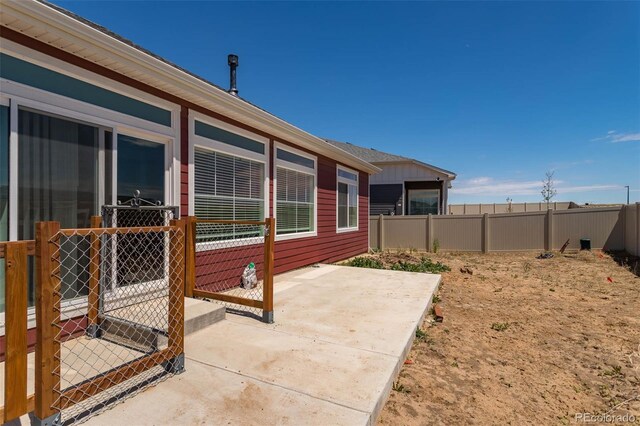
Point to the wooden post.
(381, 232)
(15, 367)
(485, 233)
(269, 259)
(93, 297)
(176, 287)
(190, 255)
(549, 231)
(47, 361)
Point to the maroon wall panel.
(328, 245)
(218, 270)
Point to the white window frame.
(340, 179)
(298, 168)
(201, 142)
(22, 96)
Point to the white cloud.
(615, 137)
(487, 186)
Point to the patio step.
(198, 314)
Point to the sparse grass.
(424, 264)
(436, 298)
(399, 387)
(365, 262)
(436, 245)
(615, 371)
(500, 326)
(422, 336)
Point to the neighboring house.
(87, 117)
(404, 186)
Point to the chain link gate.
(233, 264)
(131, 331)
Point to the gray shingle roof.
(369, 155)
(374, 156)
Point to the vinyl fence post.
(381, 232)
(637, 253)
(485, 233)
(47, 361)
(549, 231)
(430, 232)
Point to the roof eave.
(228, 104)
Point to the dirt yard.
(524, 341)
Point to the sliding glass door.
(57, 172)
(57, 181)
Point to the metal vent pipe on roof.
(233, 64)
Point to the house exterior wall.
(328, 245)
(405, 174)
(386, 199)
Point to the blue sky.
(498, 92)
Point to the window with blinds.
(347, 199)
(294, 201)
(227, 188)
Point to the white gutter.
(91, 38)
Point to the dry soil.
(524, 341)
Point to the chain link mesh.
(114, 330)
(230, 261)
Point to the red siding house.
(87, 117)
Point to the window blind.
(227, 188)
(294, 201)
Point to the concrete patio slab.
(339, 339)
